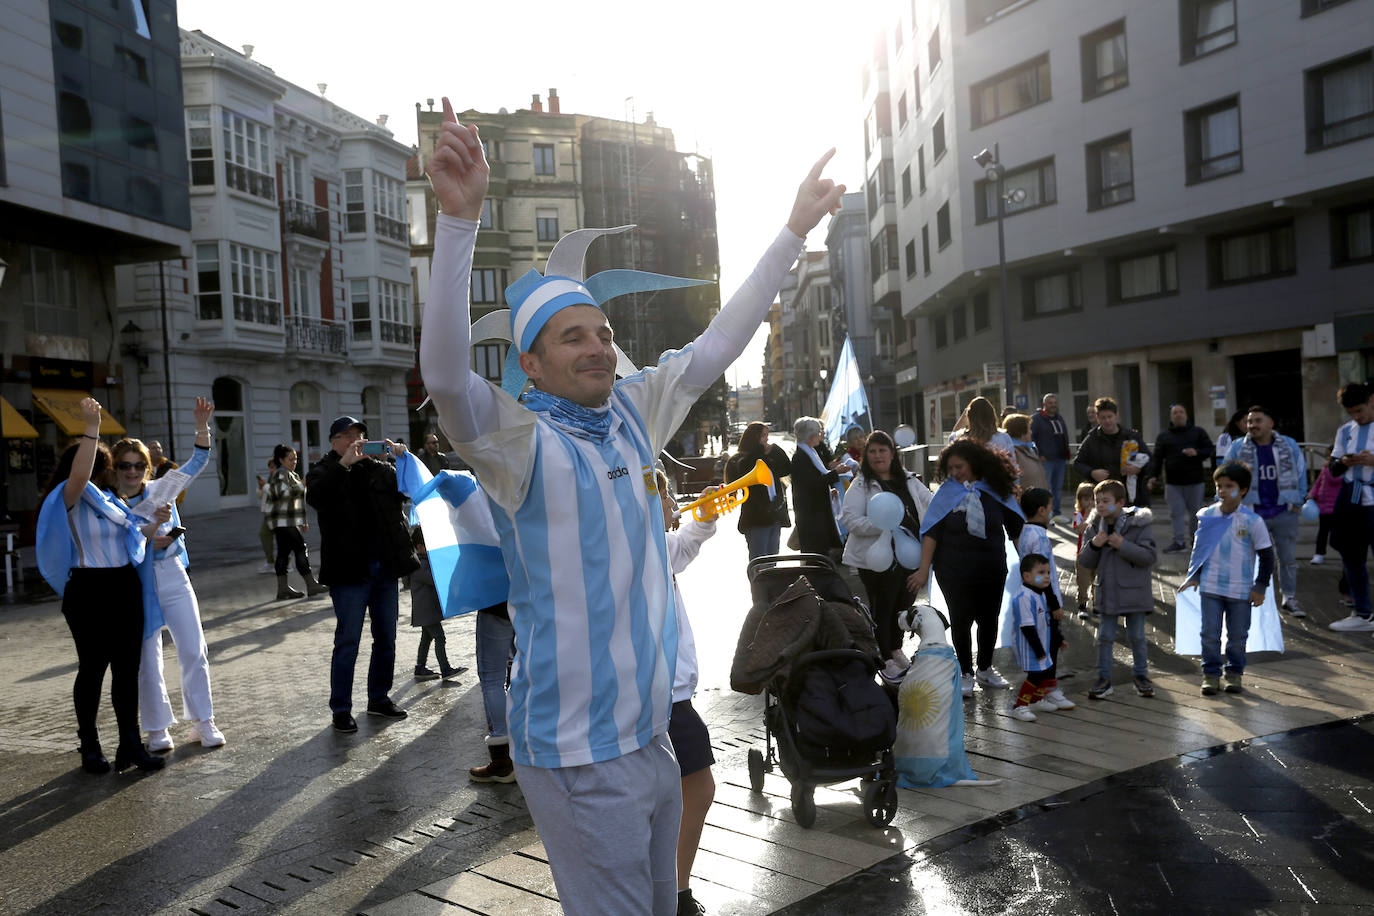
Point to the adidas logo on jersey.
(617, 472)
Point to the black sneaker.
(1143, 686)
(424, 674)
(447, 673)
(1176, 547)
(687, 905)
(386, 709)
(343, 722)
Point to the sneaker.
(425, 674)
(1176, 547)
(966, 685)
(343, 722)
(1352, 624)
(1318, 559)
(1023, 713)
(1063, 672)
(687, 905)
(1044, 704)
(1101, 690)
(1143, 686)
(267, 568)
(900, 658)
(988, 677)
(447, 673)
(1347, 601)
(207, 734)
(1060, 520)
(1210, 685)
(1061, 702)
(892, 672)
(1291, 606)
(1083, 612)
(1233, 683)
(159, 741)
(386, 709)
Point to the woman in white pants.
(177, 599)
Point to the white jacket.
(870, 547)
(683, 546)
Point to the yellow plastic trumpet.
(729, 495)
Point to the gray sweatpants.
(1184, 501)
(610, 830)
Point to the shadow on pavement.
(44, 807)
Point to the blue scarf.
(592, 423)
(955, 497)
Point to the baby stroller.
(803, 761)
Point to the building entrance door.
(1274, 380)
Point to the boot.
(92, 755)
(500, 769)
(132, 753)
(285, 591)
(312, 585)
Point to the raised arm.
(84, 460)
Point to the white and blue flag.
(847, 404)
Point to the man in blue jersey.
(1352, 458)
(1280, 486)
(568, 470)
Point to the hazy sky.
(762, 87)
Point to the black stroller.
(803, 763)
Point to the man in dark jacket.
(1050, 433)
(1180, 451)
(1111, 452)
(365, 548)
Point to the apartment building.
(809, 345)
(1187, 189)
(854, 315)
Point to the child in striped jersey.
(1030, 645)
(1229, 537)
(1035, 541)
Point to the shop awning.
(13, 424)
(65, 409)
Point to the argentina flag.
(847, 404)
(464, 550)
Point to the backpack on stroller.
(815, 661)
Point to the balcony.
(394, 229)
(250, 182)
(301, 218)
(316, 336)
(381, 343)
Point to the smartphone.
(374, 447)
(176, 532)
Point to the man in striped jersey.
(569, 474)
(1352, 531)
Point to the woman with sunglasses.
(87, 546)
(176, 598)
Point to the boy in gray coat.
(1119, 544)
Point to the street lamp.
(873, 401)
(821, 393)
(996, 172)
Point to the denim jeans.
(495, 646)
(1184, 500)
(1135, 635)
(763, 542)
(1353, 532)
(1283, 530)
(1054, 471)
(1236, 612)
(379, 598)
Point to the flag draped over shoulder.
(1266, 632)
(847, 404)
(460, 537)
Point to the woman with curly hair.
(962, 540)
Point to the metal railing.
(301, 218)
(316, 335)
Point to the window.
(891, 247)
(982, 319)
(487, 284)
(360, 301)
(303, 282)
(901, 112)
(983, 12)
(937, 138)
(1013, 90)
(1103, 55)
(253, 282)
(199, 146)
(1310, 7)
(209, 298)
(925, 248)
(1143, 276)
(1352, 234)
(293, 174)
(1205, 26)
(488, 360)
(1036, 185)
(50, 305)
(933, 49)
(941, 331)
(493, 214)
(921, 168)
(388, 207)
(543, 159)
(1340, 101)
(3, 181)
(872, 188)
(546, 224)
(248, 156)
(1212, 138)
(942, 231)
(355, 207)
(959, 318)
(1053, 293)
(906, 185)
(393, 312)
(916, 89)
(1255, 254)
(910, 251)
(1110, 176)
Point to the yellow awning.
(13, 424)
(65, 409)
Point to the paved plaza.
(291, 817)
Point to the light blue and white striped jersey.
(177, 549)
(1230, 570)
(1029, 609)
(1351, 439)
(98, 525)
(591, 591)
(1035, 539)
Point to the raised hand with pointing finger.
(816, 197)
(458, 170)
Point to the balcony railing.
(394, 332)
(394, 229)
(316, 335)
(301, 218)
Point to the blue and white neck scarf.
(972, 507)
(954, 496)
(593, 423)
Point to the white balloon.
(885, 510)
(907, 548)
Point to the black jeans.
(975, 599)
(887, 597)
(104, 610)
(291, 541)
(1323, 531)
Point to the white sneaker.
(1291, 606)
(900, 658)
(1352, 624)
(207, 734)
(893, 671)
(1044, 704)
(1063, 671)
(988, 677)
(966, 685)
(1318, 559)
(159, 740)
(1056, 696)
(1023, 713)
(266, 568)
